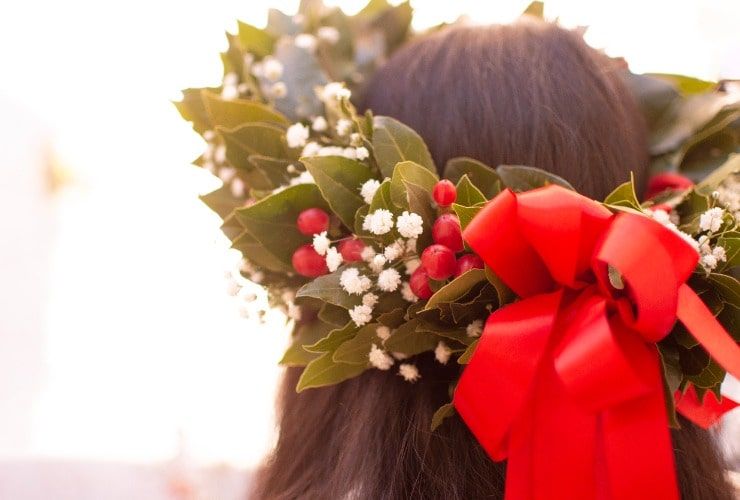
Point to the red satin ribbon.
(566, 383)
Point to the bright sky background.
(142, 341)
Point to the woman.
(529, 93)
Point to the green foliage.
(465, 214)
(253, 139)
(408, 340)
(464, 358)
(324, 371)
(302, 73)
(355, 350)
(328, 289)
(394, 142)
(456, 288)
(467, 193)
(443, 412)
(233, 113)
(255, 40)
(339, 180)
(304, 334)
(624, 196)
(482, 176)
(522, 178)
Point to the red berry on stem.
(351, 250)
(308, 263)
(446, 231)
(419, 283)
(444, 193)
(467, 262)
(312, 221)
(439, 261)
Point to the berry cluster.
(440, 261)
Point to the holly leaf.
(304, 334)
(394, 142)
(406, 173)
(355, 350)
(522, 178)
(324, 371)
(464, 358)
(456, 288)
(328, 289)
(272, 220)
(193, 109)
(466, 214)
(232, 113)
(443, 412)
(480, 174)
(339, 179)
(255, 40)
(468, 194)
(407, 340)
(253, 139)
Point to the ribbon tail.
(703, 413)
(701, 323)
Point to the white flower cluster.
(664, 218)
(711, 220)
(315, 149)
(410, 225)
(297, 135)
(379, 358)
(442, 353)
(475, 328)
(353, 282)
(269, 71)
(368, 190)
(409, 372)
(378, 222)
(334, 91)
(728, 194)
(710, 257)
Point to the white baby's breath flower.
(350, 153)
(367, 254)
(407, 294)
(278, 90)
(209, 135)
(377, 263)
(719, 253)
(380, 221)
(226, 174)
(708, 262)
(238, 188)
(291, 169)
(334, 91)
(389, 280)
(272, 69)
(410, 225)
(362, 153)
(331, 151)
(409, 372)
(474, 329)
(661, 216)
(311, 149)
(305, 41)
(368, 189)
(442, 353)
(319, 124)
(344, 126)
(383, 332)
(711, 220)
(399, 355)
(361, 314)
(355, 139)
(333, 259)
(296, 135)
(294, 311)
(321, 243)
(303, 178)
(353, 282)
(369, 299)
(394, 250)
(686, 237)
(379, 358)
(412, 265)
(329, 34)
(219, 154)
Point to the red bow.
(566, 383)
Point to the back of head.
(530, 93)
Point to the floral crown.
(561, 307)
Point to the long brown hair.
(529, 93)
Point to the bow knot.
(566, 383)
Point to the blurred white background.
(118, 340)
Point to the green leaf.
(727, 287)
(255, 40)
(304, 334)
(686, 84)
(505, 295)
(302, 73)
(272, 220)
(230, 114)
(339, 180)
(672, 377)
(394, 142)
(480, 174)
(443, 412)
(323, 371)
(356, 350)
(193, 109)
(253, 139)
(328, 289)
(273, 171)
(333, 315)
(407, 340)
(409, 172)
(393, 318)
(464, 358)
(466, 214)
(221, 201)
(280, 24)
(731, 243)
(624, 196)
(456, 288)
(468, 194)
(334, 339)
(536, 9)
(256, 252)
(522, 178)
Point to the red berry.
(312, 221)
(439, 261)
(446, 231)
(419, 283)
(351, 250)
(444, 193)
(467, 262)
(308, 263)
